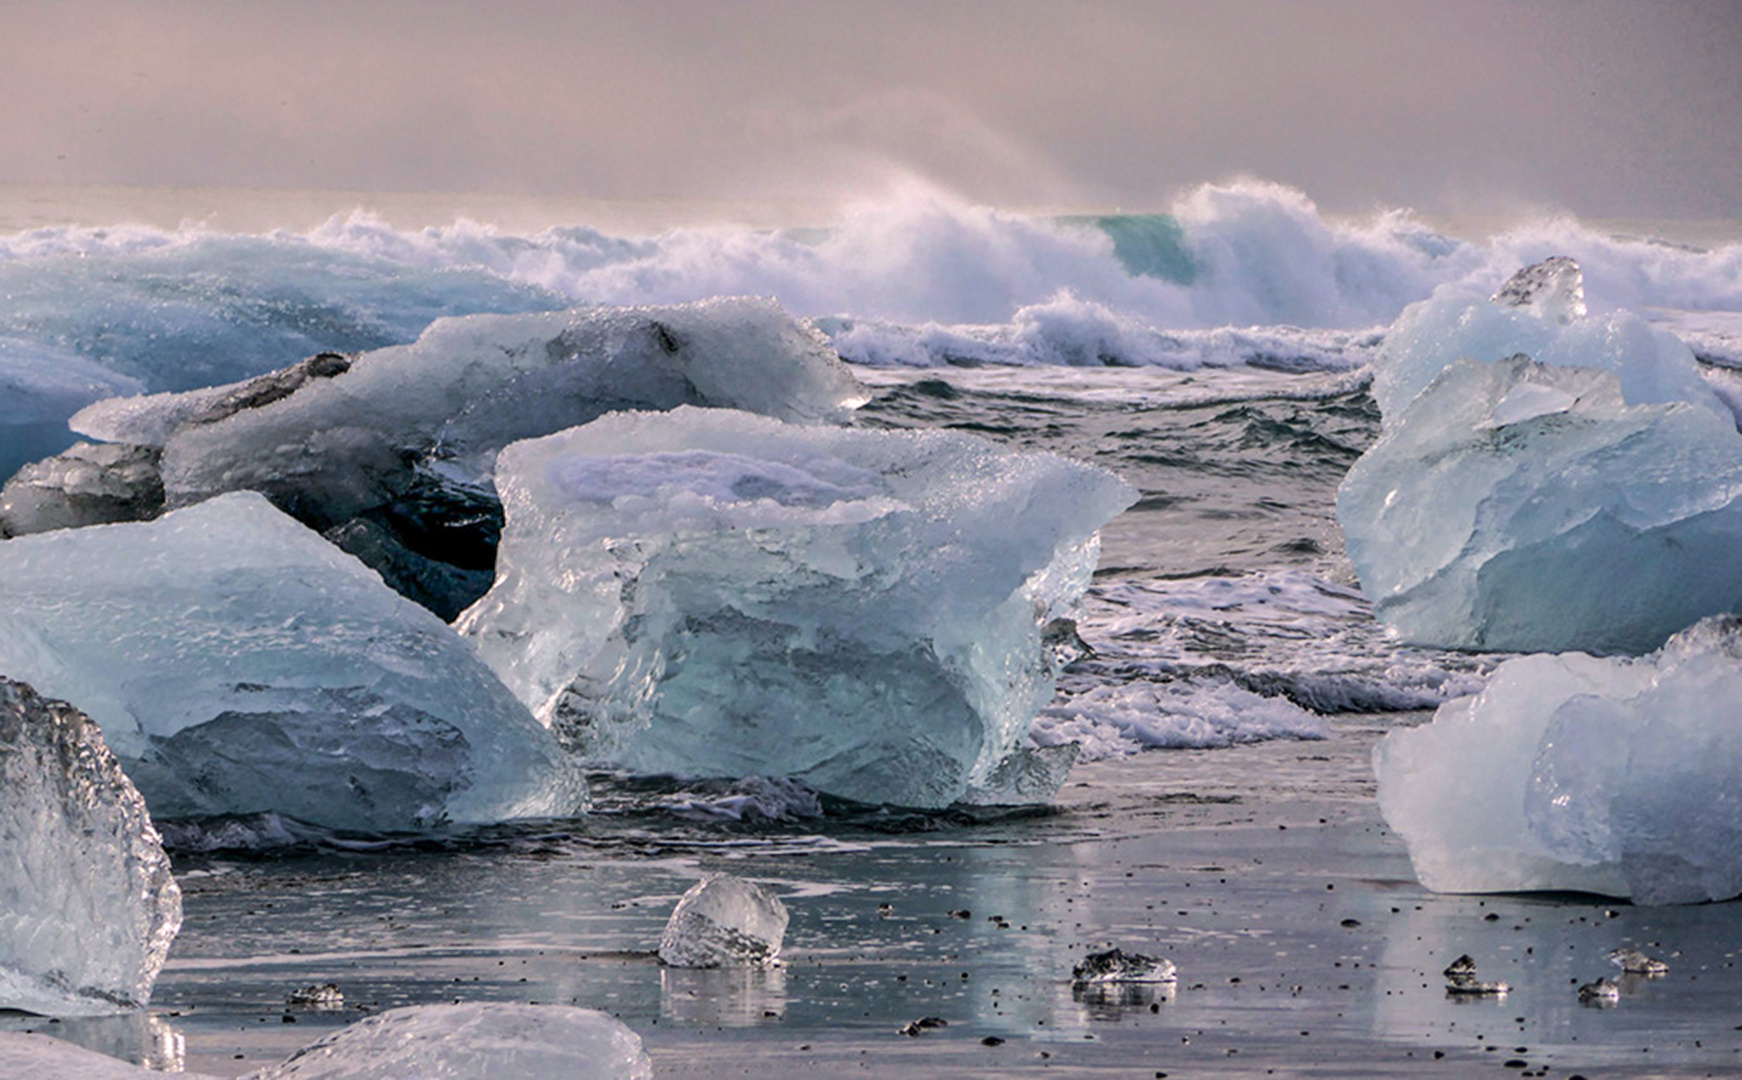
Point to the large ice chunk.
(88, 906)
(474, 1041)
(1522, 506)
(1540, 312)
(391, 453)
(239, 663)
(723, 921)
(1570, 772)
(713, 593)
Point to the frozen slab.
(473, 1041)
(238, 663)
(1520, 506)
(1570, 772)
(403, 440)
(723, 921)
(717, 594)
(1540, 313)
(88, 905)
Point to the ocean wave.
(1246, 272)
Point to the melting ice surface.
(712, 593)
(88, 905)
(239, 663)
(1543, 485)
(1570, 772)
(724, 921)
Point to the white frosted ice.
(239, 663)
(1523, 506)
(1613, 776)
(724, 921)
(88, 905)
(1550, 327)
(713, 593)
(473, 1041)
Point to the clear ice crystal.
(239, 663)
(1521, 506)
(1117, 966)
(711, 593)
(88, 905)
(723, 921)
(1574, 773)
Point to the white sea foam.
(1240, 254)
(1215, 661)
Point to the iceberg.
(391, 452)
(238, 663)
(1588, 496)
(473, 1041)
(723, 921)
(1571, 772)
(711, 593)
(28, 1054)
(88, 905)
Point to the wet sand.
(1304, 945)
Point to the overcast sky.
(1604, 108)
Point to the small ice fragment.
(723, 921)
(1464, 967)
(1604, 991)
(324, 996)
(924, 1023)
(1634, 962)
(88, 905)
(475, 1041)
(1553, 290)
(1118, 966)
(709, 593)
(1477, 988)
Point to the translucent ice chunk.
(475, 1041)
(717, 594)
(1118, 966)
(1570, 772)
(238, 663)
(1552, 290)
(88, 906)
(88, 484)
(723, 921)
(1541, 314)
(1524, 506)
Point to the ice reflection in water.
(722, 997)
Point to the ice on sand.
(1571, 772)
(723, 921)
(239, 663)
(1585, 496)
(717, 594)
(88, 906)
